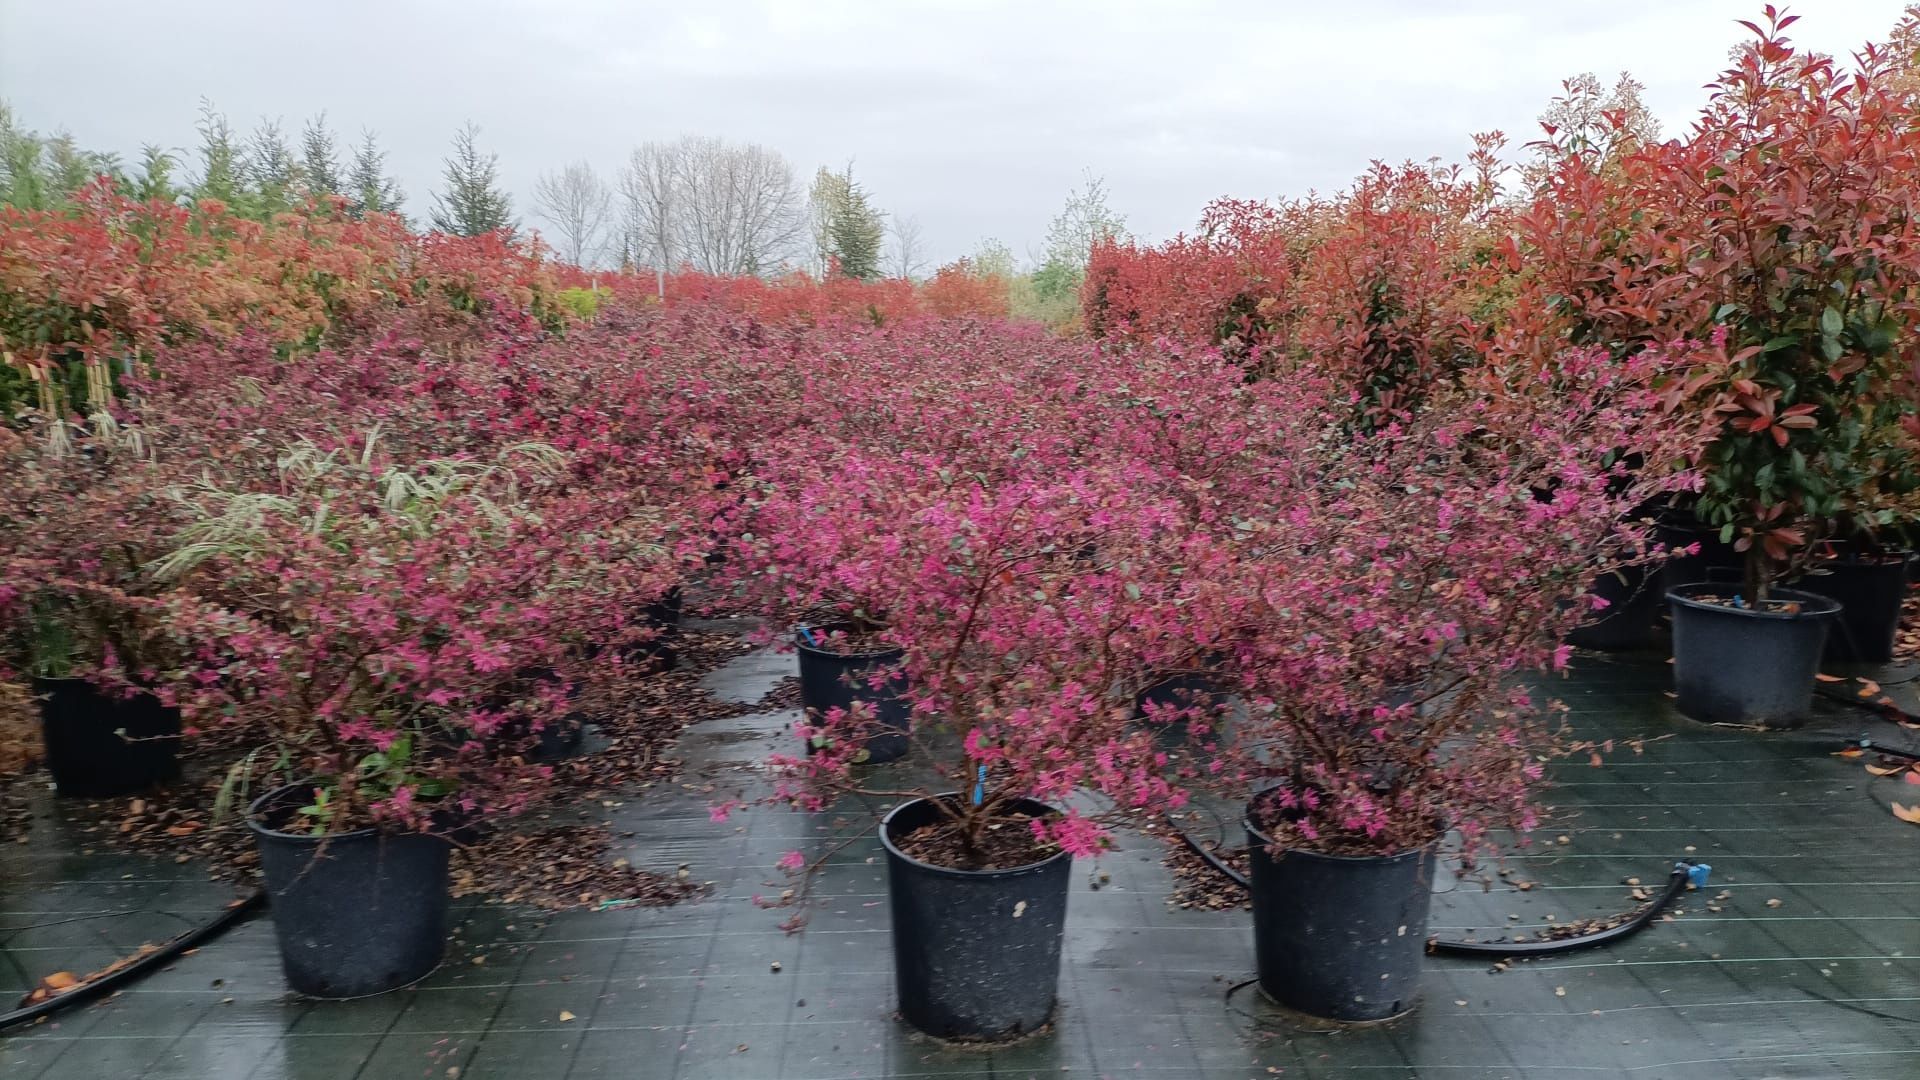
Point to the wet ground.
(1811, 967)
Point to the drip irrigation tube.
(1683, 875)
(87, 991)
(1871, 747)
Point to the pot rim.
(1260, 834)
(253, 823)
(1824, 607)
(1889, 557)
(801, 644)
(886, 840)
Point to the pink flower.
(792, 861)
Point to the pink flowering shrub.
(1046, 530)
(1401, 604)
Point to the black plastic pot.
(832, 680)
(1680, 529)
(1191, 690)
(1627, 622)
(1870, 592)
(357, 913)
(665, 613)
(1339, 937)
(976, 952)
(87, 752)
(1741, 666)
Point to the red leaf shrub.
(1782, 226)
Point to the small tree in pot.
(1780, 228)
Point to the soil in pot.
(976, 951)
(100, 745)
(356, 913)
(1870, 592)
(1339, 937)
(838, 666)
(1738, 665)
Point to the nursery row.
(1338, 483)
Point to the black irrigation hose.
(1872, 747)
(1879, 708)
(1212, 860)
(87, 991)
(1684, 873)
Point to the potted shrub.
(1033, 564)
(375, 616)
(1416, 582)
(70, 549)
(848, 665)
(1814, 294)
(1780, 229)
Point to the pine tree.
(222, 167)
(369, 189)
(846, 227)
(319, 159)
(155, 178)
(473, 204)
(274, 171)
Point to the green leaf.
(1830, 322)
(1726, 533)
(1133, 591)
(1781, 342)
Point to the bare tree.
(711, 205)
(906, 257)
(579, 206)
(739, 207)
(649, 208)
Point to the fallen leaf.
(60, 980)
(1884, 770)
(1824, 677)
(566, 1017)
(1851, 751)
(1907, 813)
(1774, 902)
(1868, 688)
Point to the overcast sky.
(974, 116)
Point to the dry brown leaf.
(1907, 813)
(1884, 770)
(1824, 677)
(1851, 751)
(1868, 688)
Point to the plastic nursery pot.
(1741, 666)
(1190, 690)
(357, 913)
(1339, 937)
(1680, 529)
(1870, 592)
(100, 745)
(1627, 622)
(665, 613)
(976, 952)
(830, 680)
